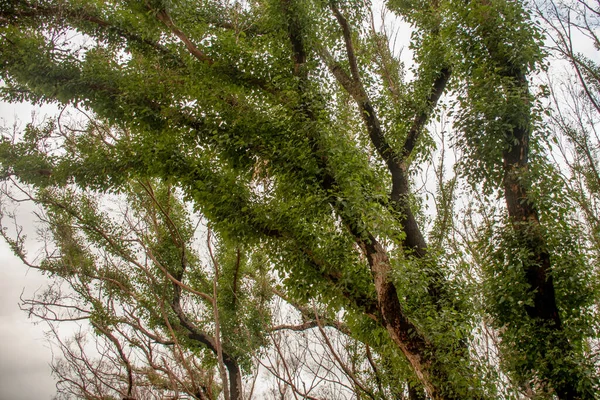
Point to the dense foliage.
(294, 128)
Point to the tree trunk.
(526, 223)
(235, 379)
(417, 350)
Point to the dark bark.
(418, 350)
(235, 378)
(525, 220)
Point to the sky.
(24, 352)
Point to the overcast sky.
(24, 353)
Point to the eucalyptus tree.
(292, 126)
(130, 268)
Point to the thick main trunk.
(538, 272)
(415, 347)
(538, 269)
(235, 379)
(525, 219)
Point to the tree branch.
(348, 40)
(422, 117)
(165, 18)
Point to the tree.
(291, 126)
(129, 267)
(132, 277)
